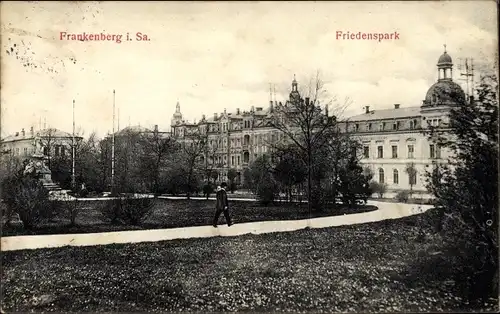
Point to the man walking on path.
(222, 205)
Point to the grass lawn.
(360, 268)
(179, 213)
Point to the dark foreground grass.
(374, 267)
(180, 213)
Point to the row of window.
(435, 151)
(412, 177)
(260, 139)
(236, 160)
(59, 150)
(385, 126)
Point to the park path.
(384, 211)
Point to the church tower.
(294, 94)
(176, 118)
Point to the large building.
(398, 138)
(395, 140)
(52, 142)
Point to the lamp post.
(113, 150)
(73, 179)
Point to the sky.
(211, 56)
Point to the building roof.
(444, 92)
(53, 132)
(445, 58)
(387, 114)
(133, 129)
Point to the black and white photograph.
(276, 156)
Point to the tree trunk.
(309, 181)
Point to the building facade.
(396, 144)
(53, 143)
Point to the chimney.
(396, 106)
(203, 117)
(224, 110)
(215, 115)
(17, 133)
(367, 108)
(31, 130)
(252, 109)
(22, 131)
(156, 127)
(237, 110)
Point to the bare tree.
(306, 125)
(193, 147)
(412, 175)
(156, 149)
(48, 142)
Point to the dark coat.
(221, 197)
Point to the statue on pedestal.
(37, 164)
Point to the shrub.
(233, 187)
(69, 207)
(403, 196)
(208, 189)
(266, 192)
(30, 200)
(135, 210)
(111, 211)
(379, 188)
(128, 210)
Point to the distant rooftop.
(29, 134)
(391, 113)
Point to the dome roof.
(445, 58)
(444, 92)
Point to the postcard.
(337, 156)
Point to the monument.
(37, 166)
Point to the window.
(412, 124)
(239, 160)
(432, 149)
(357, 127)
(395, 176)
(369, 126)
(394, 151)
(381, 176)
(411, 151)
(438, 152)
(395, 126)
(26, 151)
(57, 149)
(366, 151)
(232, 161)
(381, 127)
(380, 152)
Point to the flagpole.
(73, 181)
(113, 149)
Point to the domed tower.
(177, 116)
(294, 94)
(444, 92)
